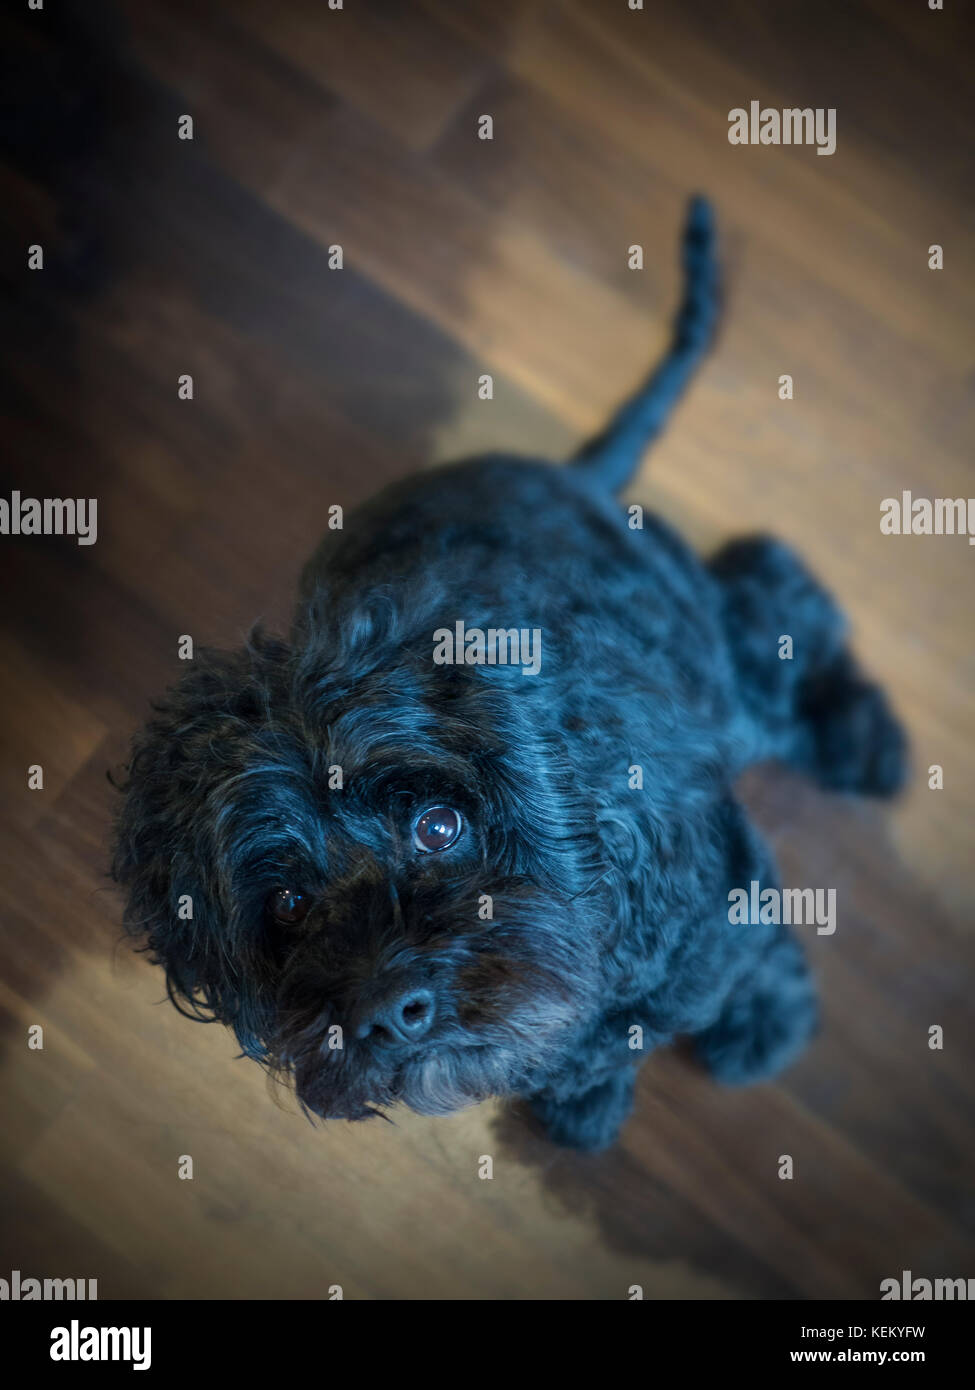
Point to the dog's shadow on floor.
(631, 1191)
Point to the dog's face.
(367, 866)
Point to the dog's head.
(372, 867)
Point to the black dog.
(420, 882)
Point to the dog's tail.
(612, 457)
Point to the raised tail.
(613, 456)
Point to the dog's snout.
(401, 1016)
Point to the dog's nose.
(404, 1016)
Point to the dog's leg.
(587, 1119)
(766, 1021)
(807, 699)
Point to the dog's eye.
(437, 829)
(287, 906)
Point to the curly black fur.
(610, 904)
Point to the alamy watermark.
(19, 1290)
(493, 646)
(926, 1290)
(77, 1343)
(922, 516)
(50, 516)
(755, 905)
(793, 125)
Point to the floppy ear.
(166, 847)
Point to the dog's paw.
(591, 1120)
(759, 1034)
(858, 745)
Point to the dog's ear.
(167, 831)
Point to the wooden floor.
(314, 386)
